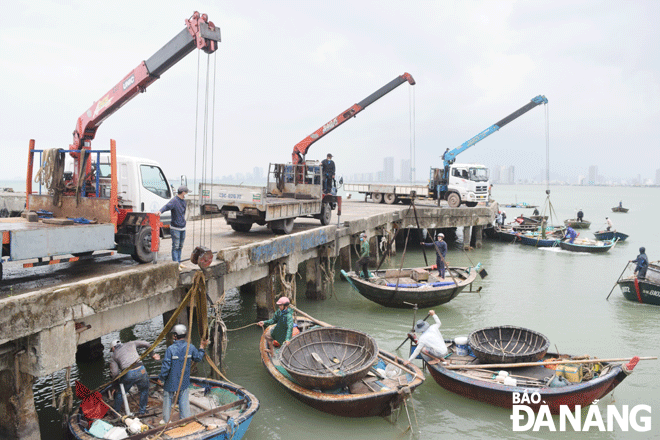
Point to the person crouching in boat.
(430, 340)
(123, 356)
(283, 320)
(440, 253)
(570, 234)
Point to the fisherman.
(171, 371)
(498, 218)
(123, 356)
(620, 203)
(430, 339)
(363, 262)
(328, 173)
(536, 211)
(440, 253)
(609, 223)
(642, 262)
(283, 320)
(580, 215)
(570, 234)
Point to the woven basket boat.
(508, 344)
(329, 357)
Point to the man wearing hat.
(430, 338)
(283, 329)
(178, 225)
(328, 173)
(440, 253)
(123, 356)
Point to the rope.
(329, 275)
(241, 328)
(288, 286)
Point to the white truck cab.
(470, 181)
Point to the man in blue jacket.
(642, 262)
(440, 253)
(172, 369)
(178, 225)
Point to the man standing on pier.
(178, 225)
(440, 253)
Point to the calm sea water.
(557, 293)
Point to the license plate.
(231, 214)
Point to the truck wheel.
(281, 227)
(143, 252)
(326, 214)
(453, 200)
(390, 199)
(241, 227)
(378, 197)
(471, 204)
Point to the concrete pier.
(43, 326)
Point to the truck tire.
(142, 253)
(471, 204)
(282, 227)
(453, 200)
(378, 197)
(390, 198)
(241, 227)
(326, 214)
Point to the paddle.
(617, 281)
(318, 359)
(536, 364)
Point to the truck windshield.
(153, 180)
(479, 174)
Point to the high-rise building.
(496, 176)
(388, 170)
(406, 171)
(593, 175)
(511, 175)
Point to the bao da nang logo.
(532, 412)
(574, 418)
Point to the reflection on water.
(555, 292)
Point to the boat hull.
(234, 431)
(537, 241)
(372, 404)
(619, 209)
(577, 247)
(610, 235)
(405, 298)
(641, 291)
(498, 394)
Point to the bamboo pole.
(536, 364)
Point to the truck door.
(154, 191)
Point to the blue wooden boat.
(610, 235)
(589, 246)
(220, 411)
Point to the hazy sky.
(285, 68)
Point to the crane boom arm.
(301, 148)
(450, 156)
(199, 33)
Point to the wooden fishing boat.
(568, 384)
(220, 410)
(329, 358)
(645, 291)
(535, 239)
(590, 246)
(374, 395)
(575, 224)
(619, 209)
(610, 235)
(506, 234)
(508, 344)
(406, 287)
